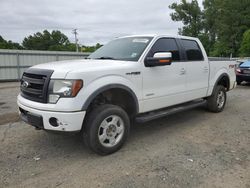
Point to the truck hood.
(62, 68)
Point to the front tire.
(106, 129)
(217, 101)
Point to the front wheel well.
(116, 96)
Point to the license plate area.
(32, 119)
(246, 71)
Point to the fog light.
(53, 98)
(54, 122)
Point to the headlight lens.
(63, 88)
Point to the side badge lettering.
(133, 73)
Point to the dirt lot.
(8, 107)
(190, 149)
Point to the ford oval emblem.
(25, 84)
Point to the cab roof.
(159, 36)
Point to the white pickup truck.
(133, 78)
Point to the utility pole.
(74, 31)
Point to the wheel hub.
(111, 131)
(221, 99)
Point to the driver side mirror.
(159, 59)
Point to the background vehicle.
(131, 78)
(243, 72)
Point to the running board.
(168, 111)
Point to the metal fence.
(14, 62)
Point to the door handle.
(205, 69)
(183, 71)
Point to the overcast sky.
(96, 20)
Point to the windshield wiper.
(105, 57)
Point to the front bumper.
(242, 77)
(66, 121)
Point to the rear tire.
(106, 129)
(217, 101)
(239, 82)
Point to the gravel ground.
(190, 149)
(8, 106)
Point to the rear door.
(197, 69)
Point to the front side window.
(193, 51)
(127, 49)
(166, 45)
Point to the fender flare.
(220, 77)
(107, 87)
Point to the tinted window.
(245, 64)
(193, 50)
(166, 45)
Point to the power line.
(74, 31)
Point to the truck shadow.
(61, 145)
(172, 122)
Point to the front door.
(164, 85)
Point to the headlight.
(63, 88)
(238, 70)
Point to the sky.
(96, 20)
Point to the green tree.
(91, 48)
(9, 44)
(54, 41)
(220, 25)
(210, 24)
(245, 45)
(190, 14)
(232, 19)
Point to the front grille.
(246, 71)
(34, 84)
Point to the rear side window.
(166, 45)
(192, 49)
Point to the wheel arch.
(223, 80)
(108, 87)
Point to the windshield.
(127, 49)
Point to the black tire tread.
(239, 82)
(91, 123)
(211, 101)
